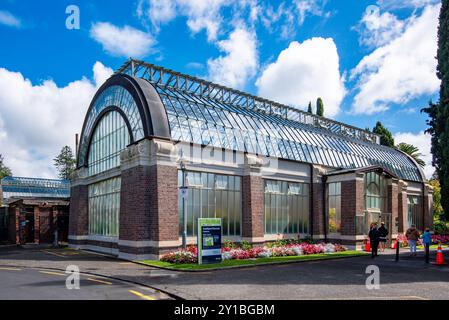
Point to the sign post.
(209, 240)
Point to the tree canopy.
(413, 152)
(4, 170)
(65, 163)
(309, 108)
(386, 138)
(438, 113)
(320, 107)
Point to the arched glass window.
(118, 97)
(375, 192)
(111, 136)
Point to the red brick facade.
(252, 207)
(319, 222)
(78, 221)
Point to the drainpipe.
(323, 181)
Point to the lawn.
(252, 262)
(433, 247)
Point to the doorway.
(29, 225)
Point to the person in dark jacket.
(383, 236)
(374, 236)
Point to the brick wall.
(135, 204)
(164, 219)
(393, 202)
(348, 207)
(253, 206)
(149, 203)
(78, 220)
(319, 226)
(402, 209)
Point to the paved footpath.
(410, 278)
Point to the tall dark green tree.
(309, 108)
(438, 113)
(4, 170)
(65, 163)
(386, 138)
(320, 107)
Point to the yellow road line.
(141, 295)
(53, 273)
(10, 269)
(55, 254)
(99, 281)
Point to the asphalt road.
(48, 284)
(410, 278)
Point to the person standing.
(383, 236)
(374, 236)
(412, 236)
(427, 241)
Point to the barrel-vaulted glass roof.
(20, 188)
(209, 114)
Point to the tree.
(413, 152)
(309, 109)
(437, 208)
(320, 107)
(4, 170)
(438, 113)
(65, 163)
(386, 138)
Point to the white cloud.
(7, 18)
(400, 4)
(378, 29)
(37, 120)
(240, 61)
(126, 41)
(201, 14)
(401, 70)
(287, 18)
(302, 73)
(422, 141)
(158, 11)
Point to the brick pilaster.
(393, 202)
(253, 217)
(37, 226)
(253, 208)
(79, 216)
(402, 207)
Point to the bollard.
(397, 250)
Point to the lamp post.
(183, 195)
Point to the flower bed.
(444, 239)
(232, 251)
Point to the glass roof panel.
(232, 126)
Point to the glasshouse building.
(160, 149)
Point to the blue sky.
(369, 60)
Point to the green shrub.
(245, 245)
(441, 227)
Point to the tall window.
(111, 136)
(375, 192)
(286, 207)
(334, 194)
(104, 207)
(414, 204)
(211, 196)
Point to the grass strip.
(250, 262)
